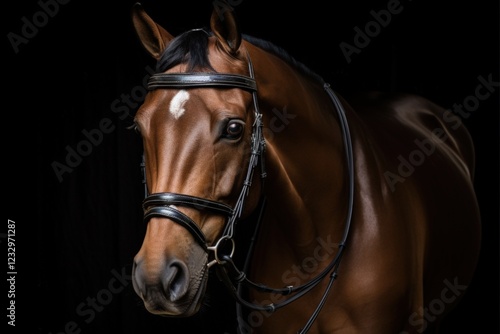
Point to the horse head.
(197, 124)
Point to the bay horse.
(374, 194)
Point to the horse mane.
(284, 55)
(191, 47)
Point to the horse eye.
(234, 129)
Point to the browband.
(188, 80)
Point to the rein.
(164, 204)
(230, 269)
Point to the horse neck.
(306, 187)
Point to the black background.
(74, 235)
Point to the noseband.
(165, 204)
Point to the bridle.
(165, 204)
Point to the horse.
(360, 214)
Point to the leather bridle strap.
(190, 80)
(178, 217)
(163, 205)
(186, 200)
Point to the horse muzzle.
(169, 285)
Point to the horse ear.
(225, 28)
(153, 37)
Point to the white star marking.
(178, 102)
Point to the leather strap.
(158, 199)
(189, 80)
(178, 217)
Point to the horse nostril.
(175, 280)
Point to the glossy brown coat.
(415, 232)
